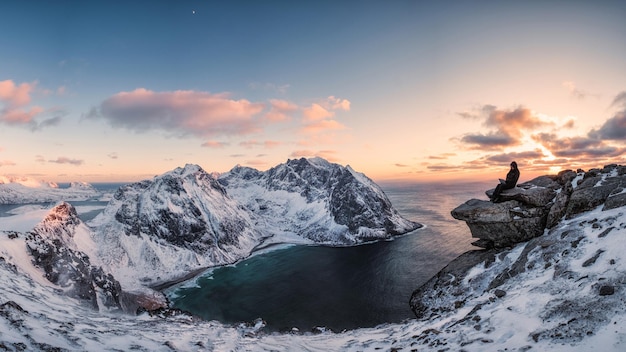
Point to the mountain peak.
(60, 223)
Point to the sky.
(117, 91)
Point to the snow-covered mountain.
(26, 190)
(313, 198)
(562, 291)
(184, 220)
(160, 229)
(567, 295)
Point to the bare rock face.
(528, 209)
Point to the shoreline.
(263, 248)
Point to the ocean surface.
(305, 287)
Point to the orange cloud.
(339, 104)
(316, 112)
(508, 125)
(214, 144)
(16, 95)
(183, 111)
(280, 110)
(6, 163)
(14, 99)
(266, 144)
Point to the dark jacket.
(512, 177)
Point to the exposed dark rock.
(499, 293)
(559, 207)
(593, 192)
(351, 198)
(50, 244)
(606, 232)
(616, 199)
(592, 260)
(606, 290)
(163, 208)
(524, 212)
(504, 224)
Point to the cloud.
(338, 103)
(515, 156)
(320, 116)
(113, 156)
(14, 99)
(507, 127)
(401, 165)
(266, 144)
(442, 156)
(6, 163)
(489, 141)
(14, 111)
(620, 99)
(65, 160)
(569, 124)
(316, 112)
(575, 92)
(569, 147)
(256, 162)
(280, 110)
(16, 95)
(613, 129)
(214, 144)
(184, 112)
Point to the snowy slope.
(29, 190)
(318, 200)
(161, 229)
(539, 311)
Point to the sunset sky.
(123, 90)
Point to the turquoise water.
(339, 288)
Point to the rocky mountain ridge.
(561, 291)
(321, 201)
(183, 221)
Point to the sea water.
(305, 287)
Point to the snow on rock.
(552, 295)
(563, 291)
(318, 200)
(162, 229)
(29, 190)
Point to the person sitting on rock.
(510, 182)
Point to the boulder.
(593, 192)
(501, 224)
(528, 194)
(616, 199)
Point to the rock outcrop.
(52, 244)
(568, 275)
(525, 211)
